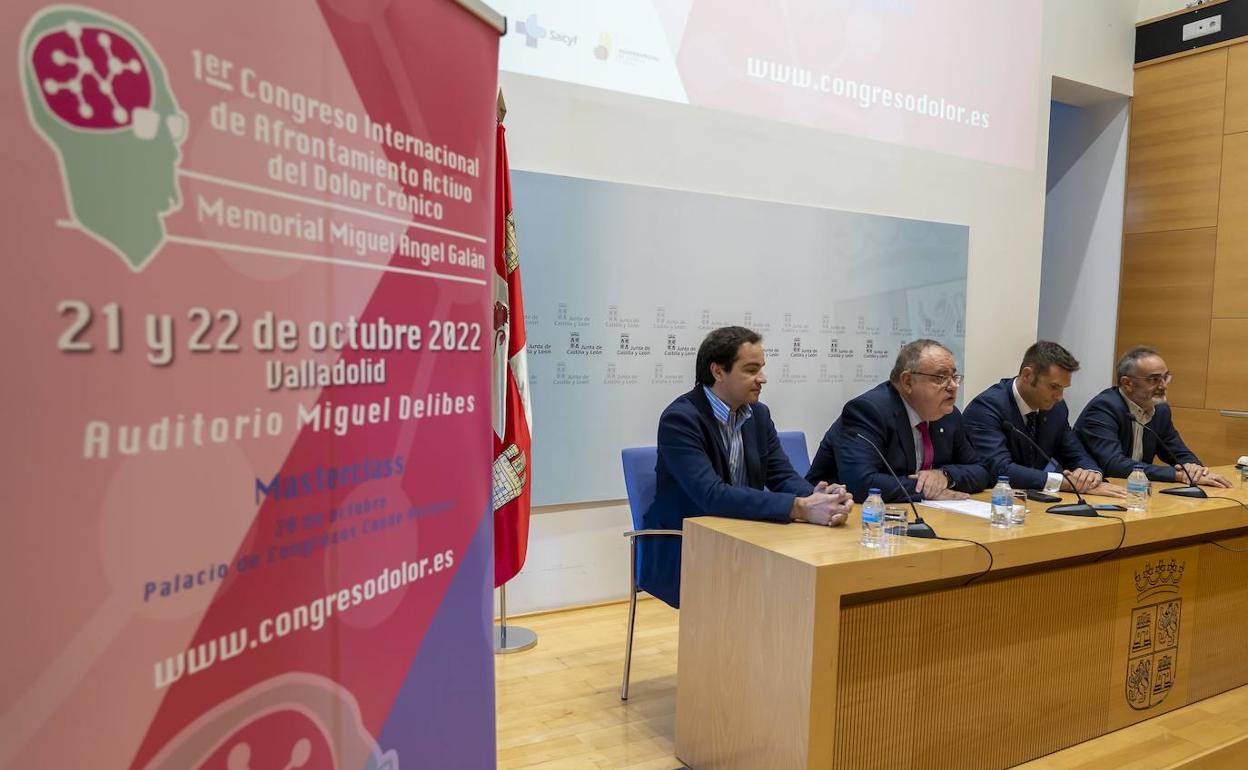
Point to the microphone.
(1080, 508)
(919, 528)
(1189, 491)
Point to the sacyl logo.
(533, 31)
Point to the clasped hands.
(828, 505)
(1090, 482)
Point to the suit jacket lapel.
(719, 454)
(1127, 436)
(749, 448)
(905, 431)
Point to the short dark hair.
(1045, 354)
(909, 355)
(720, 347)
(1128, 364)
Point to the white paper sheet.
(969, 507)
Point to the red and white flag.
(510, 390)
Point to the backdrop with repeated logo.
(622, 282)
(247, 446)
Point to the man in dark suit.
(1032, 403)
(914, 422)
(1112, 424)
(717, 450)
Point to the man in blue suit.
(1032, 403)
(717, 450)
(915, 423)
(1112, 424)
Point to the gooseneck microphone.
(1189, 491)
(919, 528)
(1080, 508)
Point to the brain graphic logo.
(92, 78)
(98, 93)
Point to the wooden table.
(799, 648)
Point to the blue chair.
(639, 481)
(793, 442)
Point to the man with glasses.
(1112, 424)
(1008, 420)
(914, 422)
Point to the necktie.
(1031, 432)
(925, 433)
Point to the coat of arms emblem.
(1152, 654)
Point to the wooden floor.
(559, 705)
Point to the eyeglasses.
(943, 380)
(1156, 379)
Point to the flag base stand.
(509, 639)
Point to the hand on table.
(828, 505)
(1105, 489)
(948, 494)
(1201, 475)
(931, 483)
(1085, 480)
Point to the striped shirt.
(730, 424)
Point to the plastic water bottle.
(873, 519)
(1137, 489)
(1002, 503)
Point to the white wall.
(1152, 8)
(576, 553)
(1083, 239)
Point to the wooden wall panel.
(1220, 654)
(1175, 152)
(1228, 365)
(1164, 301)
(1215, 438)
(1237, 89)
(1230, 274)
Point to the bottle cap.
(873, 491)
(1003, 478)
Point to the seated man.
(1112, 425)
(914, 423)
(1032, 403)
(717, 449)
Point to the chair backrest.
(639, 480)
(793, 442)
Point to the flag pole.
(509, 639)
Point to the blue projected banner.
(622, 282)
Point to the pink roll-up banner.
(246, 449)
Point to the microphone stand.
(1193, 490)
(1081, 508)
(919, 528)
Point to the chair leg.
(632, 615)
